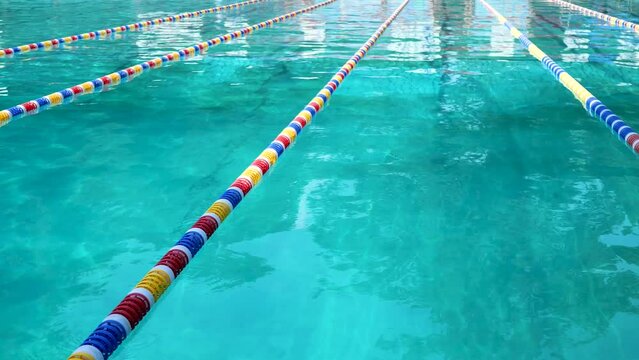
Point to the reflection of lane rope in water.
(115, 327)
(595, 107)
(610, 19)
(100, 84)
(48, 44)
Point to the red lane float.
(47, 44)
(115, 327)
(66, 96)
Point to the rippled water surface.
(452, 202)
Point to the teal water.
(452, 202)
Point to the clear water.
(452, 202)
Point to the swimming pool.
(452, 201)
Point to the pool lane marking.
(52, 43)
(131, 310)
(594, 107)
(589, 12)
(68, 95)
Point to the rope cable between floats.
(100, 84)
(610, 19)
(131, 310)
(52, 43)
(593, 105)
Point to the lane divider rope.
(52, 43)
(131, 310)
(594, 107)
(100, 84)
(610, 19)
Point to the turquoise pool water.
(452, 202)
